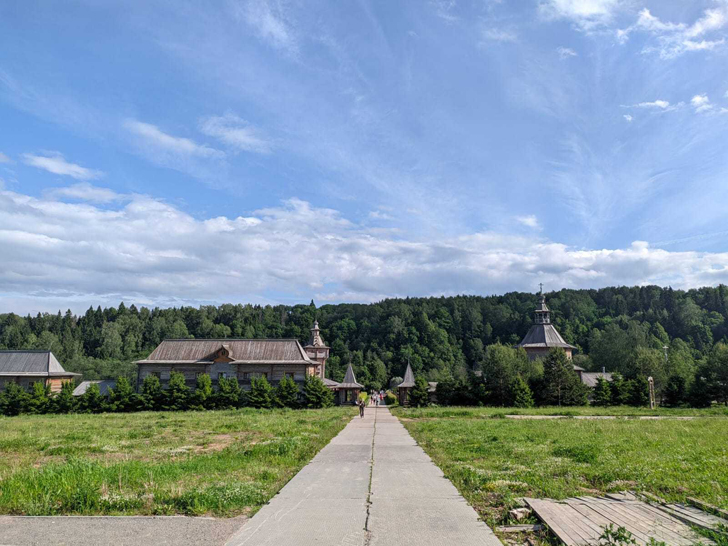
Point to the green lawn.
(223, 463)
(492, 460)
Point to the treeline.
(510, 379)
(15, 400)
(445, 339)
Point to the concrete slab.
(120, 531)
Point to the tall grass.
(213, 462)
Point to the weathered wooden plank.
(709, 508)
(519, 528)
(606, 510)
(686, 517)
(543, 510)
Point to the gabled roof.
(104, 386)
(544, 335)
(349, 381)
(31, 363)
(331, 383)
(409, 378)
(590, 378)
(241, 351)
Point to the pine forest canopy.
(621, 329)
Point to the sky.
(170, 153)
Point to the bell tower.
(317, 350)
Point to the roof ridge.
(25, 351)
(234, 339)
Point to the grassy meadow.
(223, 463)
(493, 461)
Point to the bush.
(64, 401)
(122, 397)
(261, 394)
(639, 392)
(91, 401)
(602, 393)
(39, 401)
(176, 396)
(419, 396)
(676, 392)
(228, 393)
(521, 393)
(202, 398)
(14, 399)
(390, 399)
(152, 397)
(287, 393)
(316, 394)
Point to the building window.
(254, 375)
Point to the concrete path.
(372, 485)
(116, 530)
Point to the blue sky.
(178, 152)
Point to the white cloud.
(55, 163)
(4, 158)
(586, 14)
(628, 118)
(498, 35)
(701, 103)
(529, 221)
(235, 132)
(152, 135)
(444, 9)
(84, 191)
(674, 39)
(147, 251)
(270, 23)
(566, 52)
(661, 104)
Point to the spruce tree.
(122, 397)
(316, 394)
(228, 393)
(562, 386)
(14, 399)
(39, 401)
(676, 392)
(64, 401)
(700, 395)
(602, 393)
(91, 401)
(152, 397)
(261, 394)
(620, 390)
(521, 393)
(202, 398)
(177, 394)
(639, 391)
(287, 393)
(419, 397)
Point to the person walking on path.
(361, 404)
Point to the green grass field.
(223, 463)
(492, 460)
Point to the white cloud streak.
(587, 15)
(83, 191)
(235, 132)
(4, 158)
(154, 136)
(529, 221)
(147, 251)
(566, 52)
(55, 163)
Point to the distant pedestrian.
(361, 404)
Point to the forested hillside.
(620, 329)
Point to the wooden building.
(404, 388)
(243, 359)
(542, 337)
(347, 392)
(28, 367)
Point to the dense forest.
(618, 329)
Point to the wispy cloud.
(660, 104)
(55, 163)
(4, 158)
(153, 135)
(445, 9)
(235, 132)
(585, 14)
(83, 191)
(566, 52)
(675, 39)
(628, 118)
(529, 221)
(268, 19)
(498, 35)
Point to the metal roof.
(253, 351)
(104, 386)
(31, 363)
(544, 335)
(331, 382)
(349, 381)
(590, 378)
(409, 378)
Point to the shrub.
(287, 393)
(676, 392)
(122, 397)
(562, 386)
(202, 398)
(39, 401)
(14, 399)
(176, 396)
(64, 401)
(521, 393)
(91, 401)
(228, 393)
(152, 397)
(602, 393)
(261, 393)
(316, 394)
(390, 399)
(639, 391)
(419, 397)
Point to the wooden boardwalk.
(581, 521)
